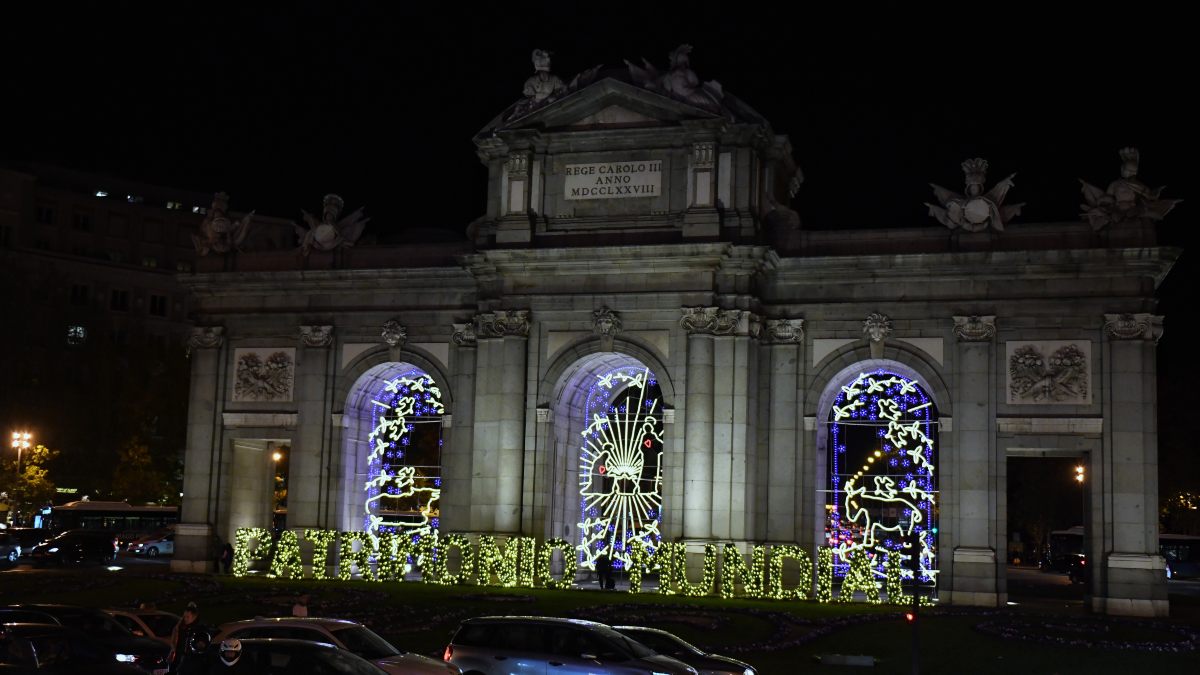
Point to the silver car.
(533, 645)
(349, 635)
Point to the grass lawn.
(775, 637)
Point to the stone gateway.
(640, 352)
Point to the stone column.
(499, 430)
(1124, 480)
(974, 527)
(734, 377)
(306, 467)
(783, 339)
(193, 539)
(457, 497)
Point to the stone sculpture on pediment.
(331, 231)
(544, 87)
(1126, 199)
(976, 211)
(219, 233)
(680, 82)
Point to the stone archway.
(606, 444)
(391, 456)
(877, 457)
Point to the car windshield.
(96, 624)
(660, 642)
(632, 647)
(364, 642)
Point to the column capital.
(717, 321)
(974, 328)
(464, 334)
(1133, 326)
(205, 337)
(784, 331)
(316, 336)
(504, 323)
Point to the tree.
(1180, 513)
(32, 487)
(136, 478)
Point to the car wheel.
(152, 552)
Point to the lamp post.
(20, 443)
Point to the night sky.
(378, 102)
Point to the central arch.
(607, 447)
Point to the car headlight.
(52, 550)
(126, 658)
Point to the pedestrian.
(604, 571)
(187, 637)
(301, 606)
(227, 557)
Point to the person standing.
(184, 639)
(604, 571)
(301, 606)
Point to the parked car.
(55, 650)
(665, 643)
(10, 549)
(151, 623)
(264, 656)
(1077, 569)
(147, 654)
(348, 635)
(495, 644)
(27, 537)
(76, 546)
(154, 546)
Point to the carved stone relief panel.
(264, 374)
(1049, 372)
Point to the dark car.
(27, 537)
(495, 645)
(10, 549)
(275, 656)
(42, 649)
(76, 546)
(665, 643)
(119, 643)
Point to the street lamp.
(20, 443)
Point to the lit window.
(199, 209)
(76, 335)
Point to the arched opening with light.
(394, 463)
(881, 491)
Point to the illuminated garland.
(322, 540)
(544, 576)
(824, 574)
(775, 589)
(733, 567)
(491, 560)
(286, 563)
(678, 576)
(466, 565)
(642, 558)
(522, 561)
(361, 557)
(860, 577)
(391, 560)
(243, 555)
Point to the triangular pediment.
(608, 103)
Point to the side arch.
(909, 361)
(350, 379)
(572, 357)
